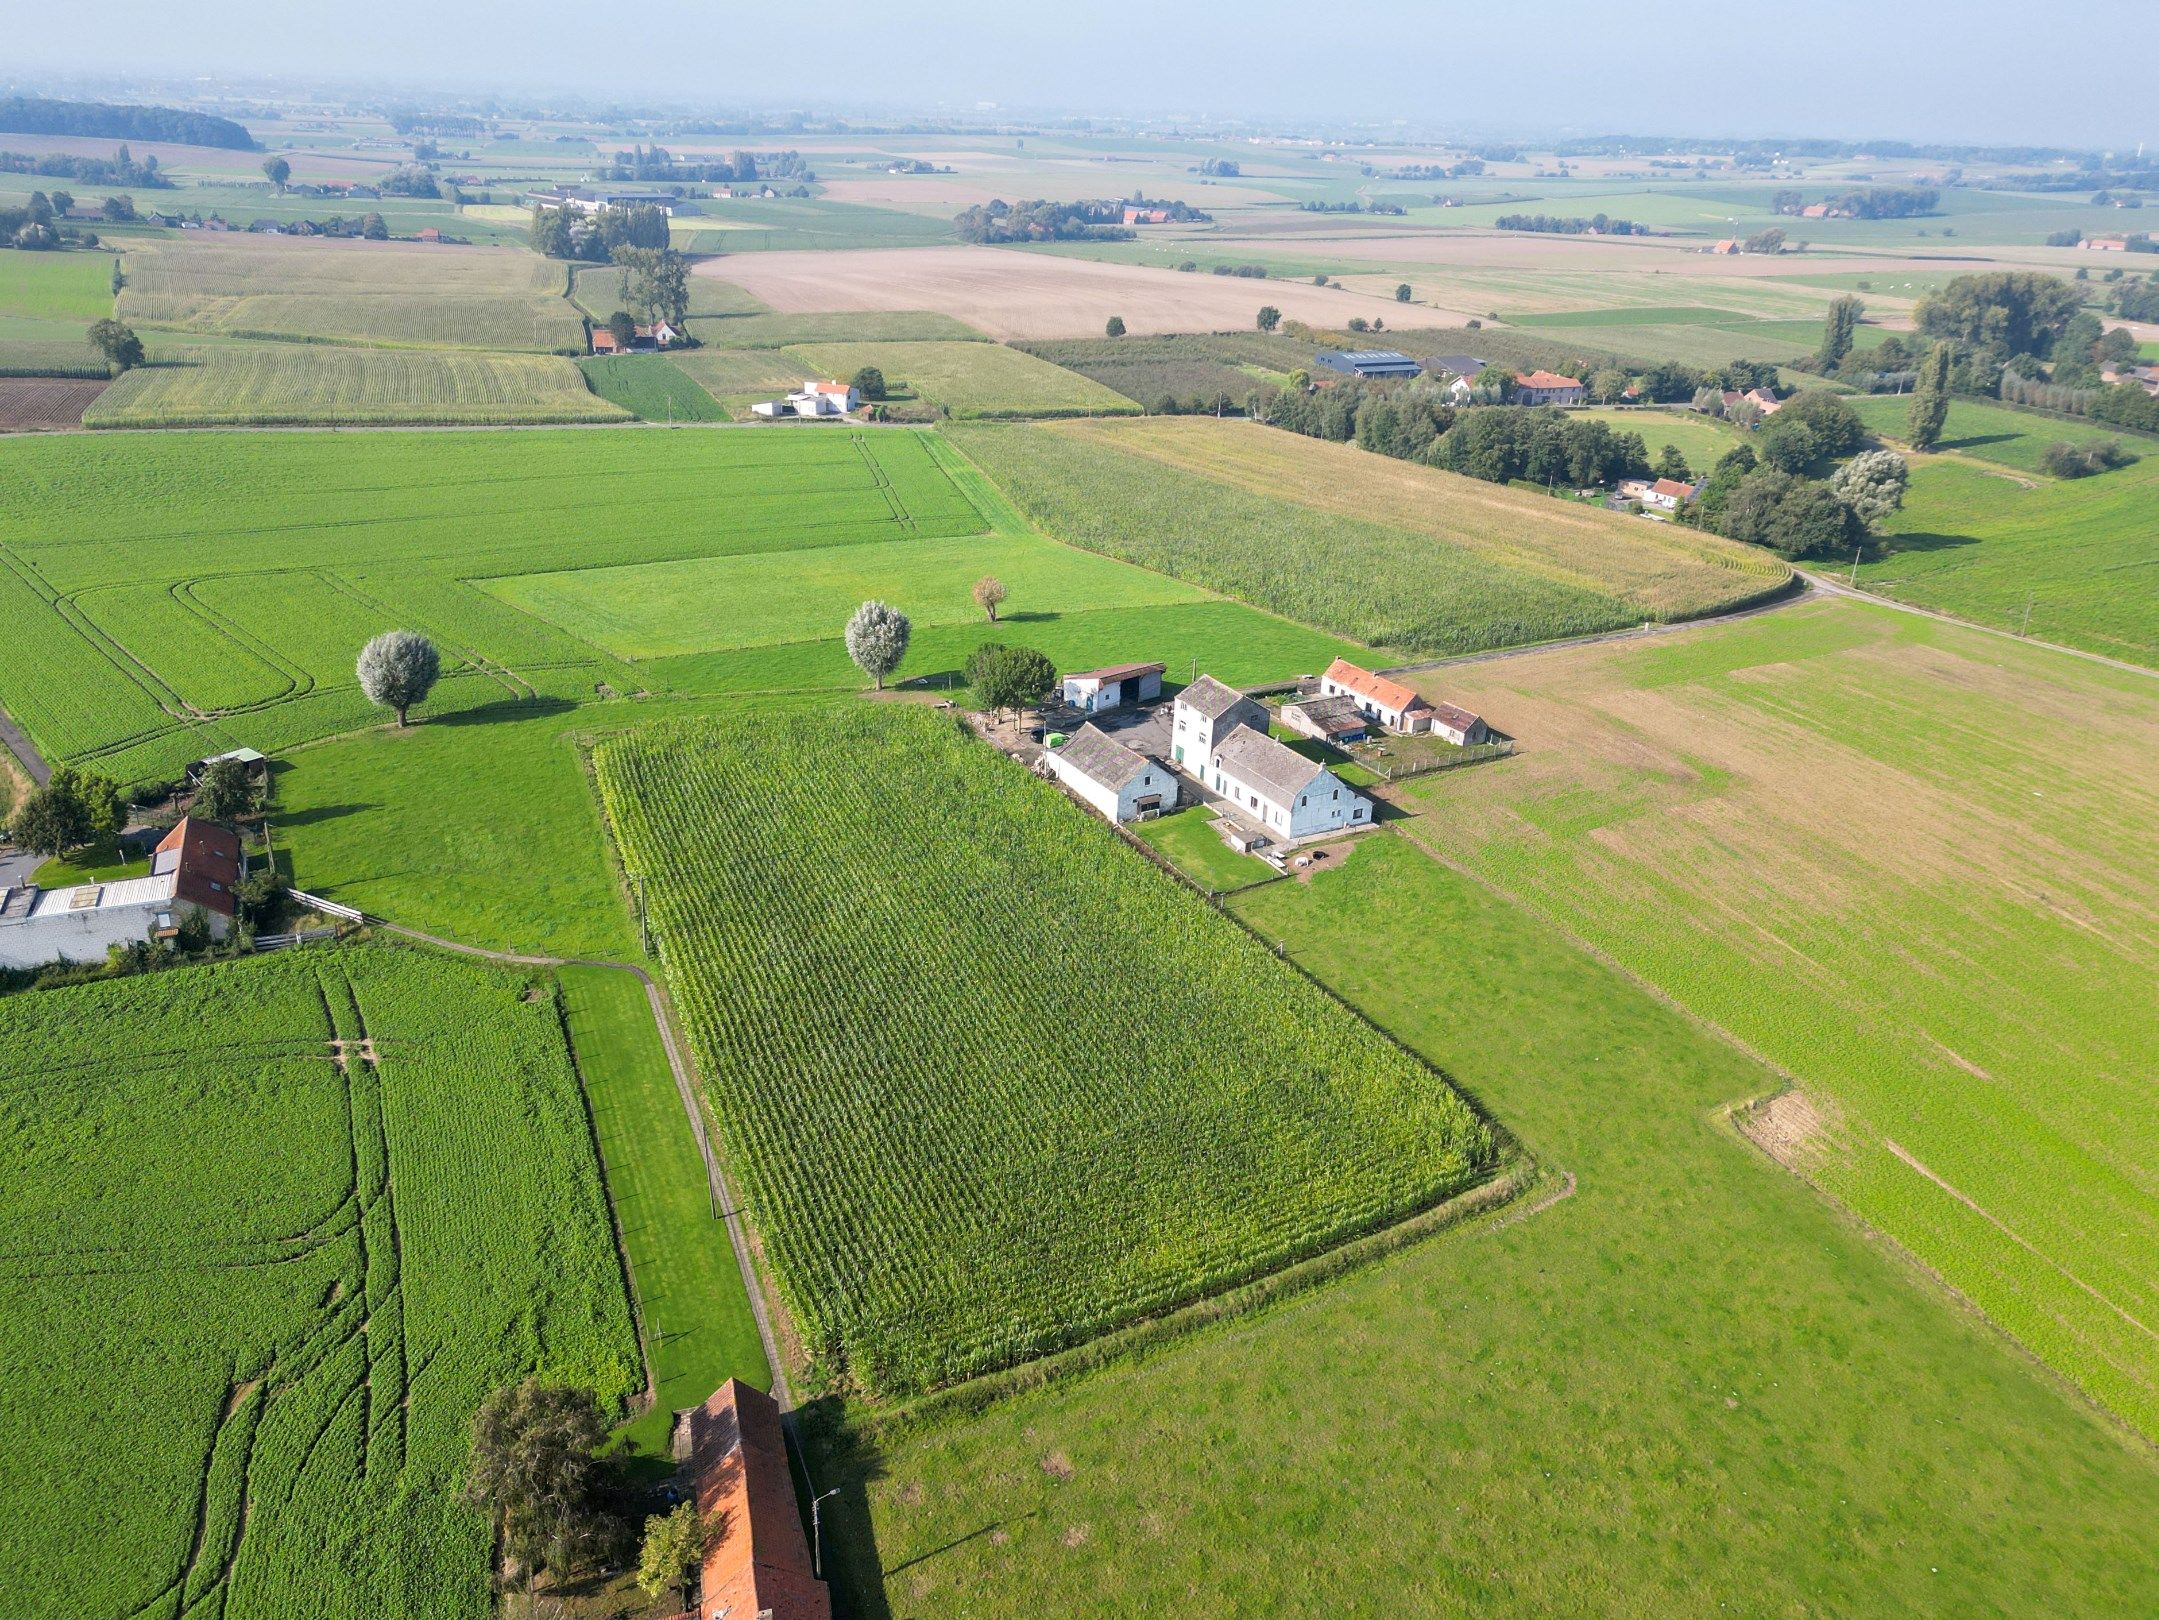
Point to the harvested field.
(45, 404)
(1031, 295)
(1810, 830)
(968, 379)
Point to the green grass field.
(1701, 439)
(1996, 433)
(969, 379)
(1628, 1403)
(1334, 537)
(279, 384)
(1806, 829)
(254, 1292)
(652, 610)
(960, 1153)
(2065, 561)
(396, 294)
(756, 225)
(72, 287)
(692, 1307)
(1188, 841)
(650, 386)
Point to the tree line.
(36, 115)
(121, 169)
(657, 163)
(1037, 220)
(567, 233)
(1554, 225)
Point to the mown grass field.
(172, 595)
(1334, 537)
(969, 379)
(650, 386)
(253, 1293)
(74, 287)
(652, 610)
(1188, 841)
(1811, 830)
(961, 1154)
(1996, 433)
(281, 384)
(1703, 440)
(396, 294)
(1690, 1388)
(2070, 562)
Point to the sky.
(1947, 70)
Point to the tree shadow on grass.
(488, 714)
(1899, 544)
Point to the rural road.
(20, 746)
(723, 1195)
(1834, 588)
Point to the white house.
(1121, 783)
(1387, 703)
(192, 872)
(1205, 712)
(1096, 691)
(1662, 494)
(813, 398)
(1289, 795)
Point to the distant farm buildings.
(659, 335)
(1122, 783)
(1548, 388)
(756, 1561)
(828, 398)
(193, 872)
(1096, 691)
(1661, 494)
(1369, 362)
(591, 199)
(1145, 216)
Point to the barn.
(1096, 691)
(1123, 784)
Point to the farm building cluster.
(827, 398)
(193, 872)
(1131, 757)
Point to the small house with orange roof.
(1548, 388)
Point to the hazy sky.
(1981, 70)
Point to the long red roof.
(1387, 694)
(757, 1561)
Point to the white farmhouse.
(1121, 783)
(192, 872)
(813, 398)
(1097, 691)
(1205, 712)
(1389, 703)
(1289, 795)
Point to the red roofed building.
(1390, 703)
(1548, 388)
(204, 860)
(757, 1561)
(1146, 216)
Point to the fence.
(329, 908)
(1402, 770)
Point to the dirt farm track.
(1013, 294)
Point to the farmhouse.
(1278, 787)
(812, 399)
(756, 1561)
(1145, 216)
(1761, 398)
(1389, 703)
(1369, 362)
(1463, 369)
(1548, 388)
(1096, 691)
(1206, 712)
(2106, 244)
(1123, 784)
(192, 874)
(1663, 494)
(1330, 719)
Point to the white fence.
(329, 908)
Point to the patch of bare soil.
(1789, 1128)
(1326, 858)
(47, 404)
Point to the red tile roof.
(757, 1561)
(1387, 694)
(1674, 488)
(1545, 379)
(208, 864)
(1115, 672)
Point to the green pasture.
(1624, 1403)
(754, 225)
(651, 387)
(653, 610)
(1997, 433)
(1188, 841)
(1701, 439)
(969, 379)
(70, 287)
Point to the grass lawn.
(970, 379)
(1701, 439)
(703, 604)
(2071, 561)
(693, 1312)
(1691, 1385)
(73, 287)
(1805, 829)
(100, 863)
(1191, 844)
(652, 387)
(1996, 433)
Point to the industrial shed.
(1096, 691)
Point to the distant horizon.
(1966, 67)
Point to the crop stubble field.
(275, 1228)
(1813, 830)
(832, 894)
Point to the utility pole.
(2025, 628)
(644, 927)
(1855, 567)
(817, 1531)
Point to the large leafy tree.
(225, 792)
(673, 1544)
(1837, 331)
(1872, 484)
(117, 342)
(75, 808)
(535, 1468)
(2010, 311)
(877, 638)
(398, 669)
(655, 283)
(1015, 678)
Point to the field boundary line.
(25, 751)
(1834, 588)
(2008, 1232)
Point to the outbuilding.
(756, 1560)
(1387, 703)
(193, 872)
(1328, 719)
(1122, 783)
(1458, 726)
(1369, 362)
(1289, 795)
(1205, 712)
(1096, 691)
